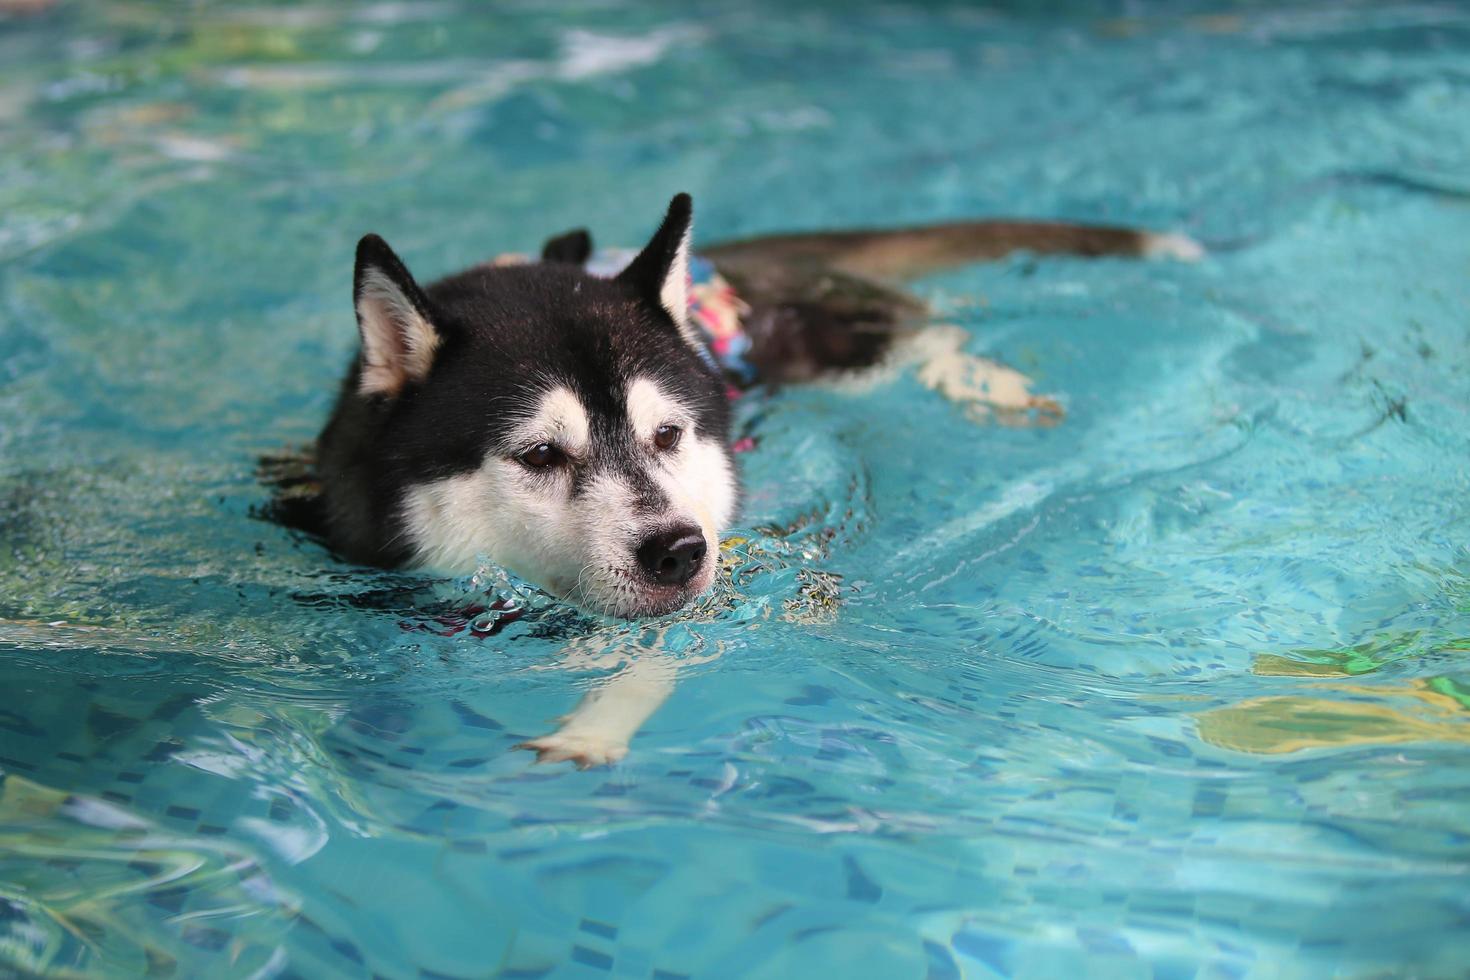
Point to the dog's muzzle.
(673, 557)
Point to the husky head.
(564, 426)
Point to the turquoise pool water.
(1180, 688)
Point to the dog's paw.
(983, 388)
(584, 749)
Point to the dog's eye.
(542, 456)
(666, 437)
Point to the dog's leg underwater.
(599, 728)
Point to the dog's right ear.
(398, 340)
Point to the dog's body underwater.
(574, 428)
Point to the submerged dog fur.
(572, 429)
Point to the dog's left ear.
(660, 273)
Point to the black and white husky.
(574, 428)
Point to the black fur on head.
(573, 247)
(660, 271)
(445, 371)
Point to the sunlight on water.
(1177, 688)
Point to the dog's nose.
(672, 557)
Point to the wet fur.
(821, 305)
(508, 332)
(418, 463)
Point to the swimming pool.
(1178, 688)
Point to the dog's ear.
(573, 247)
(660, 273)
(398, 341)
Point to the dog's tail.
(907, 253)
